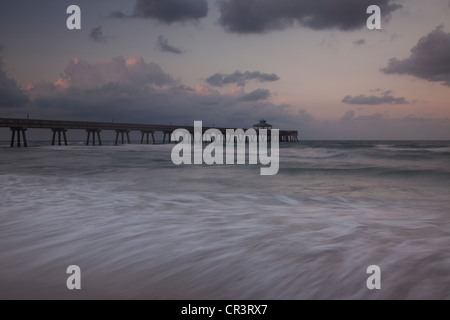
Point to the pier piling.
(61, 135)
(146, 134)
(122, 133)
(94, 132)
(18, 132)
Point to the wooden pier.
(59, 130)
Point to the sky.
(308, 65)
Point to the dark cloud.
(359, 42)
(11, 95)
(98, 36)
(260, 16)
(240, 78)
(168, 11)
(349, 115)
(257, 95)
(163, 45)
(429, 59)
(2, 48)
(386, 98)
(118, 15)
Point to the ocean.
(140, 227)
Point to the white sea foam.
(140, 227)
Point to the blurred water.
(140, 227)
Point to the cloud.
(386, 98)
(375, 126)
(359, 42)
(11, 95)
(305, 116)
(380, 127)
(257, 95)
(98, 36)
(376, 117)
(137, 91)
(258, 16)
(394, 36)
(166, 11)
(240, 78)
(429, 59)
(130, 72)
(349, 115)
(164, 46)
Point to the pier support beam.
(122, 132)
(18, 132)
(169, 133)
(289, 136)
(59, 131)
(93, 132)
(147, 133)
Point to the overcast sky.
(309, 65)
